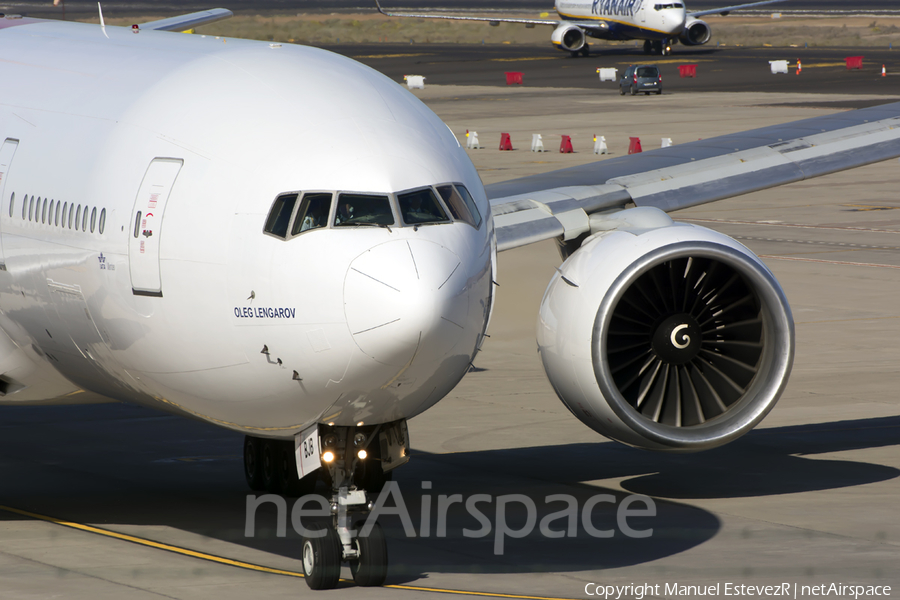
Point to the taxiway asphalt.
(807, 498)
(731, 69)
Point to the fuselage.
(135, 231)
(627, 19)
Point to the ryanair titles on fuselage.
(611, 8)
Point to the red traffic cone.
(799, 67)
(634, 145)
(883, 71)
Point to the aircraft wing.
(728, 9)
(183, 22)
(460, 18)
(559, 203)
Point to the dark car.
(641, 78)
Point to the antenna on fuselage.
(63, 4)
(102, 24)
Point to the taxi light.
(362, 454)
(328, 456)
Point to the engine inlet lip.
(765, 389)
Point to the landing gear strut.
(583, 51)
(355, 463)
(661, 47)
(355, 459)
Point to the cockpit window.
(420, 207)
(280, 216)
(670, 5)
(461, 204)
(363, 209)
(313, 212)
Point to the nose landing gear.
(356, 462)
(661, 47)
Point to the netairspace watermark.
(562, 522)
(639, 591)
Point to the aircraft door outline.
(146, 221)
(7, 153)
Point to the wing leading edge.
(727, 9)
(560, 203)
(462, 18)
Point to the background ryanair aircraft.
(660, 23)
(167, 239)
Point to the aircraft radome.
(281, 241)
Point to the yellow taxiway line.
(245, 565)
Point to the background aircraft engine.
(675, 338)
(695, 33)
(568, 37)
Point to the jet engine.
(695, 32)
(665, 336)
(568, 37)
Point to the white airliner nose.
(406, 301)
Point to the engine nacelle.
(695, 32)
(673, 338)
(568, 37)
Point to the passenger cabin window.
(280, 216)
(421, 207)
(363, 209)
(313, 213)
(461, 204)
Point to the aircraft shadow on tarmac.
(764, 462)
(119, 466)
